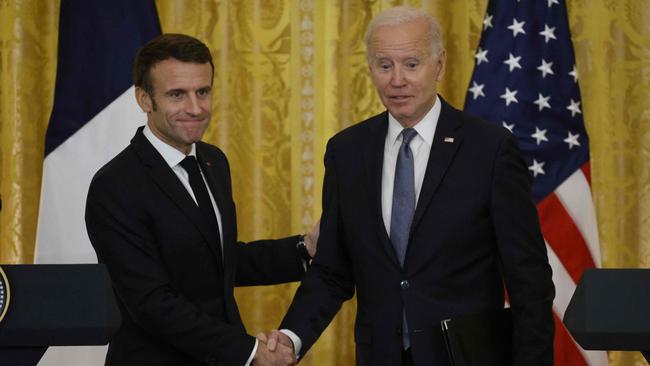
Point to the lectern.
(55, 305)
(610, 310)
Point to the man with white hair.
(427, 213)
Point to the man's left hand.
(311, 239)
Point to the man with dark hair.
(176, 46)
(161, 216)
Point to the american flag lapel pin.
(449, 140)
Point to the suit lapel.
(169, 183)
(446, 141)
(373, 154)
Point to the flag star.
(548, 33)
(572, 140)
(574, 73)
(481, 56)
(509, 96)
(537, 168)
(545, 68)
(477, 90)
(539, 135)
(510, 127)
(513, 62)
(574, 107)
(517, 27)
(551, 2)
(487, 21)
(542, 102)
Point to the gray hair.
(404, 14)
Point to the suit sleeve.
(268, 262)
(121, 231)
(523, 257)
(329, 281)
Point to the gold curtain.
(291, 73)
(28, 39)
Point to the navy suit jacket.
(177, 304)
(475, 226)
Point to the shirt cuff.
(297, 343)
(250, 358)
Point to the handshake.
(275, 349)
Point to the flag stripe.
(564, 285)
(563, 236)
(586, 170)
(575, 196)
(564, 288)
(67, 172)
(594, 358)
(570, 355)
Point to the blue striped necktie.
(403, 208)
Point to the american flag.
(525, 79)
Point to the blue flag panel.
(525, 79)
(98, 41)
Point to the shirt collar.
(426, 128)
(172, 156)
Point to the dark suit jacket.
(177, 305)
(475, 225)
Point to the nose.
(397, 77)
(193, 105)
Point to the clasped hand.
(275, 349)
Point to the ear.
(440, 65)
(144, 100)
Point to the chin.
(401, 115)
(401, 108)
(195, 134)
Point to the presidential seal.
(4, 294)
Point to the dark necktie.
(202, 197)
(403, 208)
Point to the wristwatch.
(302, 249)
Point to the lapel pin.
(449, 139)
(208, 163)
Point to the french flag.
(93, 118)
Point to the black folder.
(483, 339)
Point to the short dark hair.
(170, 45)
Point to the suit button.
(405, 284)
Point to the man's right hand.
(281, 355)
(275, 338)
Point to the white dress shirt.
(420, 147)
(173, 158)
